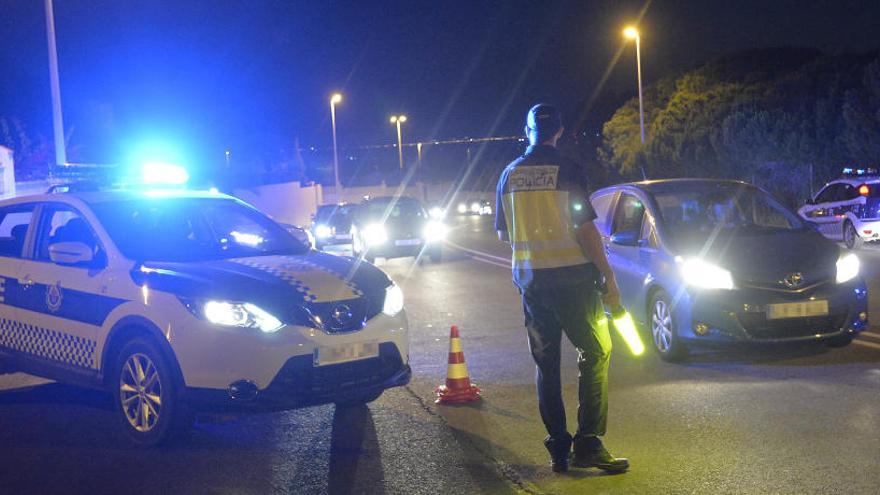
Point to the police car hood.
(765, 257)
(280, 284)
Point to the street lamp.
(633, 34)
(399, 119)
(55, 87)
(335, 100)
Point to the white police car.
(847, 209)
(183, 301)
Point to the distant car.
(332, 225)
(709, 261)
(847, 210)
(479, 207)
(391, 227)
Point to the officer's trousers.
(577, 311)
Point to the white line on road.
(871, 335)
(872, 345)
(481, 256)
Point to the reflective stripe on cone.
(458, 388)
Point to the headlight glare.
(435, 231)
(245, 315)
(323, 231)
(375, 234)
(462, 208)
(847, 268)
(699, 273)
(393, 300)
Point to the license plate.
(797, 310)
(408, 242)
(347, 352)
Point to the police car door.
(824, 214)
(63, 304)
(15, 224)
(623, 249)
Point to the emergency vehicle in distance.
(847, 209)
(179, 301)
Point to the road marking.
(872, 345)
(481, 256)
(871, 335)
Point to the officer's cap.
(545, 120)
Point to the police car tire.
(677, 350)
(359, 400)
(175, 418)
(839, 341)
(851, 237)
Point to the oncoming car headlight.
(847, 268)
(699, 273)
(375, 234)
(393, 300)
(323, 231)
(435, 231)
(245, 315)
(462, 208)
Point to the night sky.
(255, 74)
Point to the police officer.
(543, 211)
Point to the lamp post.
(334, 100)
(399, 119)
(633, 34)
(55, 86)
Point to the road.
(802, 419)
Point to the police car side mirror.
(70, 253)
(625, 238)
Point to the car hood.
(766, 258)
(284, 285)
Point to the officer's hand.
(611, 298)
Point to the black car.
(394, 227)
(331, 225)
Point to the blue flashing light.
(156, 173)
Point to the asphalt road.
(802, 419)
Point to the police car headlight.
(435, 231)
(323, 231)
(847, 268)
(699, 273)
(375, 234)
(244, 315)
(393, 300)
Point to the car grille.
(299, 376)
(759, 327)
(361, 310)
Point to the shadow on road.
(355, 458)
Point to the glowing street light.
(633, 34)
(399, 119)
(335, 100)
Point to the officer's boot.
(560, 449)
(589, 452)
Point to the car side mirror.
(626, 238)
(70, 253)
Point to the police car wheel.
(147, 394)
(851, 237)
(359, 400)
(839, 341)
(663, 333)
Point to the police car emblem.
(341, 314)
(793, 280)
(53, 297)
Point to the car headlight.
(475, 207)
(393, 300)
(435, 231)
(436, 213)
(323, 231)
(698, 273)
(245, 315)
(375, 234)
(847, 268)
(462, 208)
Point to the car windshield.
(705, 208)
(402, 208)
(192, 229)
(331, 213)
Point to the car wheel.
(851, 237)
(840, 341)
(359, 400)
(663, 333)
(147, 394)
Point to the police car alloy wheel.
(663, 334)
(851, 237)
(147, 394)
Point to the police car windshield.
(705, 208)
(192, 229)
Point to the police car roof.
(99, 196)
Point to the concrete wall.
(7, 173)
(287, 202)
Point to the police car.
(847, 209)
(178, 301)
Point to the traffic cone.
(458, 388)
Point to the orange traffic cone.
(458, 388)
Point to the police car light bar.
(849, 171)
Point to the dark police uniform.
(541, 201)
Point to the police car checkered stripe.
(289, 268)
(49, 344)
(2, 289)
